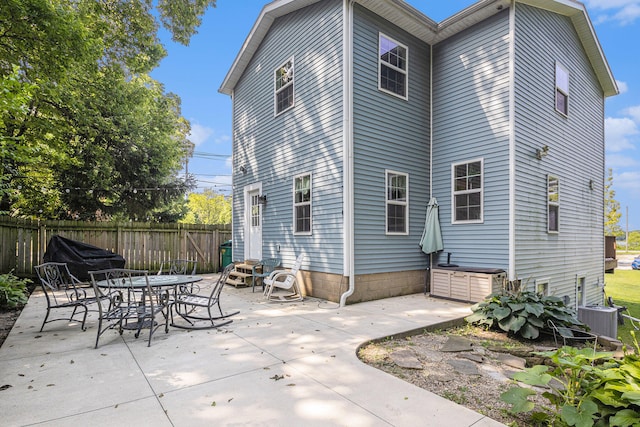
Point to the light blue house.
(348, 116)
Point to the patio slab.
(276, 364)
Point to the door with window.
(253, 224)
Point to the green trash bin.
(226, 254)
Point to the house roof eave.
(416, 23)
(268, 14)
(577, 12)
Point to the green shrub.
(582, 393)
(13, 291)
(523, 313)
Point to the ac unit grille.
(601, 320)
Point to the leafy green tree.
(612, 212)
(208, 207)
(86, 133)
(634, 240)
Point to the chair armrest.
(278, 274)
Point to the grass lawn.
(624, 287)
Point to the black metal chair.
(189, 306)
(130, 302)
(262, 270)
(179, 266)
(64, 292)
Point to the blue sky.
(195, 73)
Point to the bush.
(13, 291)
(523, 313)
(582, 393)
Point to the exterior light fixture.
(542, 152)
(243, 170)
(262, 200)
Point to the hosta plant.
(585, 389)
(523, 313)
(13, 291)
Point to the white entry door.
(253, 225)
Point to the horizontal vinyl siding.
(576, 156)
(390, 133)
(470, 122)
(305, 139)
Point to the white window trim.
(581, 281)
(558, 88)
(405, 72)
(310, 203)
(550, 203)
(387, 202)
(454, 192)
(276, 91)
(546, 283)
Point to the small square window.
(284, 87)
(392, 66)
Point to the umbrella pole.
(428, 278)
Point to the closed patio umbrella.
(431, 240)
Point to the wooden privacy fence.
(144, 246)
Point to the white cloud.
(199, 133)
(634, 112)
(622, 86)
(627, 180)
(220, 139)
(618, 133)
(624, 12)
(616, 161)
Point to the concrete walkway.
(277, 364)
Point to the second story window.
(562, 89)
(392, 67)
(284, 87)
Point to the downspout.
(512, 143)
(430, 121)
(347, 157)
(428, 278)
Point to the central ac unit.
(601, 320)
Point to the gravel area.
(469, 366)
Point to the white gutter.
(347, 157)
(512, 143)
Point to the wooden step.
(236, 283)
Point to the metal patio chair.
(64, 292)
(130, 302)
(262, 270)
(179, 266)
(191, 306)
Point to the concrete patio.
(277, 364)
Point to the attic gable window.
(284, 87)
(392, 66)
(562, 89)
(467, 192)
